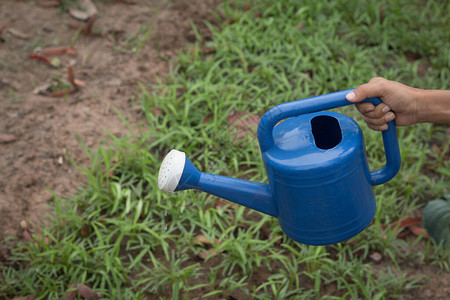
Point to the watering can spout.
(177, 173)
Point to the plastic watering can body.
(320, 186)
(319, 178)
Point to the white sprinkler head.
(171, 170)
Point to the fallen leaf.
(57, 51)
(87, 29)
(70, 295)
(406, 222)
(202, 239)
(49, 3)
(19, 33)
(7, 138)
(243, 119)
(89, 10)
(402, 226)
(80, 82)
(71, 76)
(44, 89)
(87, 293)
(63, 93)
(40, 58)
(245, 122)
(418, 231)
(376, 257)
(205, 254)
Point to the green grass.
(112, 235)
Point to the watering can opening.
(326, 132)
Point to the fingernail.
(370, 108)
(350, 96)
(386, 109)
(384, 127)
(389, 117)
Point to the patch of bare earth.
(42, 128)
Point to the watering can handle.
(325, 102)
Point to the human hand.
(399, 103)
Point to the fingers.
(376, 117)
(374, 88)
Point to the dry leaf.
(44, 89)
(418, 231)
(49, 3)
(71, 76)
(70, 295)
(245, 122)
(89, 10)
(40, 58)
(79, 82)
(87, 293)
(205, 254)
(63, 93)
(19, 33)
(243, 119)
(7, 138)
(58, 51)
(402, 224)
(202, 239)
(87, 29)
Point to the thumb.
(368, 90)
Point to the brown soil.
(45, 127)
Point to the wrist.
(421, 107)
(433, 106)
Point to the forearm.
(434, 106)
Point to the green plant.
(436, 219)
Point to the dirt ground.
(37, 130)
(44, 127)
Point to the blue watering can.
(320, 186)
